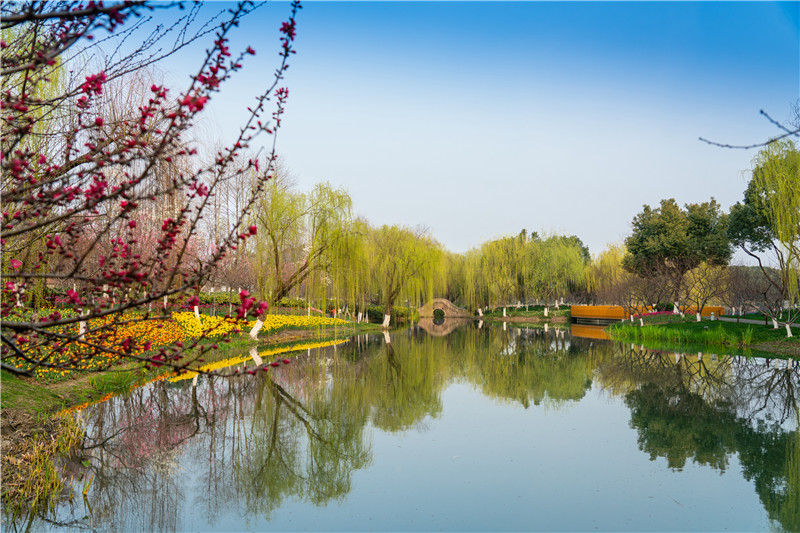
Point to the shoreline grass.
(705, 333)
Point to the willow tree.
(403, 261)
(777, 174)
(347, 281)
(475, 289)
(299, 234)
(500, 264)
(553, 266)
(768, 221)
(605, 274)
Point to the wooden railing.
(617, 312)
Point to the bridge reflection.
(443, 329)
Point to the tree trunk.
(256, 328)
(698, 316)
(774, 324)
(788, 330)
(388, 310)
(256, 358)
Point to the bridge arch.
(449, 308)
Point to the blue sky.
(479, 119)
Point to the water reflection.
(707, 409)
(183, 455)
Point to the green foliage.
(776, 179)
(675, 239)
(302, 237)
(554, 266)
(403, 264)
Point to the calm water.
(478, 430)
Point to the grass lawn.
(529, 312)
(688, 331)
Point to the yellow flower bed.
(273, 322)
(161, 332)
(207, 326)
(232, 361)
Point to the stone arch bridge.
(445, 305)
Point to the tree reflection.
(706, 409)
(299, 432)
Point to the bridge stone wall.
(450, 310)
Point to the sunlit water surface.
(478, 430)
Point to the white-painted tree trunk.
(194, 382)
(386, 319)
(504, 326)
(545, 311)
(774, 324)
(197, 313)
(81, 328)
(504, 312)
(256, 358)
(480, 312)
(641, 322)
(788, 330)
(358, 320)
(165, 301)
(386, 337)
(698, 317)
(256, 329)
(545, 327)
(699, 356)
(309, 311)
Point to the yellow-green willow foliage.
(500, 266)
(605, 274)
(511, 269)
(48, 135)
(554, 267)
(777, 173)
(348, 282)
(301, 238)
(405, 264)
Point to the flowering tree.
(79, 182)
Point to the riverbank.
(687, 331)
(529, 315)
(34, 435)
